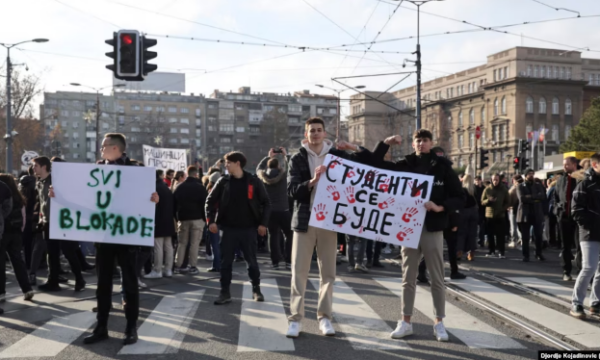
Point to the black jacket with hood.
(275, 183)
(190, 198)
(585, 208)
(165, 211)
(447, 190)
(27, 188)
(220, 197)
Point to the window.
(172, 141)
(496, 107)
(135, 129)
(172, 120)
(212, 105)
(173, 130)
(184, 110)
(184, 120)
(64, 113)
(482, 115)
(495, 78)
(505, 72)
(470, 88)
(239, 141)
(64, 124)
(542, 109)
(212, 128)
(503, 134)
(185, 141)
(569, 73)
(535, 71)
(147, 108)
(184, 131)
(555, 106)
(104, 126)
(555, 72)
(240, 129)
(555, 132)
(591, 82)
(567, 132)
(471, 140)
(461, 139)
(528, 70)
(198, 132)
(75, 135)
(226, 127)
(568, 107)
(75, 145)
(121, 109)
(529, 105)
(75, 156)
(135, 107)
(160, 109)
(226, 140)
(471, 116)
(225, 149)
(172, 109)
(562, 73)
(460, 119)
(543, 72)
(504, 106)
(76, 113)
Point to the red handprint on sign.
(418, 202)
(350, 174)
(387, 203)
(320, 212)
(350, 194)
(371, 175)
(401, 236)
(333, 162)
(410, 185)
(333, 191)
(361, 230)
(385, 186)
(410, 212)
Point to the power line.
(555, 8)
(87, 13)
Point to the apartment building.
(517, 91)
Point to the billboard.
(156, 82)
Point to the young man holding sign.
(446, 197)
(113, 153)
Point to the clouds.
(79, 28)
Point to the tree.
(584, 136)
(275, 125)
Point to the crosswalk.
(261, 326)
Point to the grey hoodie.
(275, 183)
(315, 160)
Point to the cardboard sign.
(103, 203)
(371, 203)
(165, 159)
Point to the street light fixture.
(97, 90)
(9, 135)
(339, 92)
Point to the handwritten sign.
(103, 203)
(372, 203)
(161, 158)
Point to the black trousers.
(246, 239)
(451, 238)
(69, 249)
(496, 234)
(570, 236)
(10, 245)
(482, 229)
(525, 228)
(554, 234)
(125, 256)
(374, 255)
(28, 241)
(280, 223)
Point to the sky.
(77, 31)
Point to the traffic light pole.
(8, 115)
(476, 155)
(97, 149)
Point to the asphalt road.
(179, 321)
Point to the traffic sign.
(478, 133)
(27, 157)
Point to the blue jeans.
(214, 240)
(590, 251)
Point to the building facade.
(518, 91)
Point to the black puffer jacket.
(447, 190)
(190, 197)
(165, 211)
(275, 183)
(586, 206)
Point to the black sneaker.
(80, 286)
(257, 295)
(577, 312)
(49, 287)
(457, 276)
(422, 279)
(540, 257)
(595, 310)
(377, 264)
(212, 269)
(224, 298)
(62, 279)
(567, 277)
(275, 266)
(369, 264)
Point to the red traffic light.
(516, 160)
(126, 39)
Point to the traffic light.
(148, 55)
(517, 163)
(483, 159)
(524, 163)
(526, 146)
(520, 151)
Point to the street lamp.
(97, 90)
(9, 137)
(339, 115)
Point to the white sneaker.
(141, 284)
(386, 250)
(168, 273)
(439, 331)
(326, 327)
(153, 275)
(361, 268)
(294, 329)
(343, 258)
(402, 330)
(210, 257)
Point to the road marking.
(163, 331)
(470, 330)
(263, 324)
(559, 322)
(551, 288)
(361, 325)
(51, 338)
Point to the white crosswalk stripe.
(361, 325)
(573, 329)
(551, 288)
(263, 324)
(163, 331)
(470, 330)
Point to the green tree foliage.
(584, 136)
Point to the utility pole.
(418, 52)
(8, 136)
(97, 150)
(339, 118)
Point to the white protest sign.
(27, 156)
(103, 203)
(376, 204)
(161, 158)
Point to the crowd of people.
(237, 214)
